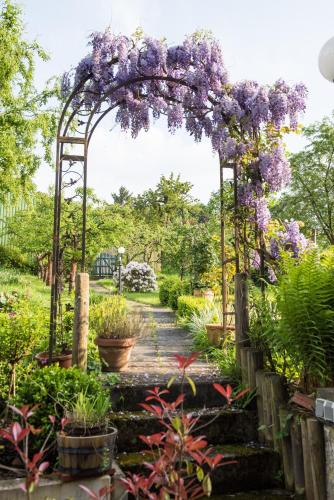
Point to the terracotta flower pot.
(209, 295)
(197, 292)
(214, 332)
(114, 353)
(64, 360)
(83, 456)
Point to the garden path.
(154, 353)
(152, 358)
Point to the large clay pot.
(214, 332)
(64, 360)
(114, 353)
(208, 295)
(81, 456)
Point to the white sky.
(262, 40)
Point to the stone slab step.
(132, 390)
(258, 495)
(256, 468)
(230, 426)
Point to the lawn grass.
(147, 298)
(25, 284)
(108, 284)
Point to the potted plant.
(86, 442)
(62, 353)
(117, 331)
(215, 330)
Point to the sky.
(262, 40)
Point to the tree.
(311, 196)
(24, 120)
(122, 197)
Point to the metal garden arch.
(76, 127)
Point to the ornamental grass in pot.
(86, 443)
(117, 331)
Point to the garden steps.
(230, 426)
(132, 390)
(276, 494)
(255, 468)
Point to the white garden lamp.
(326, 60)
(120, 251)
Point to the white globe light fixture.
(121, 250)
(326, 60)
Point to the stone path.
(153, 355)
(155, 352)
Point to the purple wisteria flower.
(142, 77)
(275, 169)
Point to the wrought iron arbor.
(76, 127)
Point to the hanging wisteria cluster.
(290, 240)
(188, 83)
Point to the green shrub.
(187, 305)
(21, 331)
(170, 290)
(53, 388)
(13, 258)
(223, 357)
(305, 303)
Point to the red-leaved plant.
(182, 462)
(18, 435)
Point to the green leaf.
(199, 473)
(192, 385)
(207, 485)
(171, 381)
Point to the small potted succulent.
(117, 330)
(86, 442)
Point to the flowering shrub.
(139, 277)
(289, 240)
(182, 462)
(188, 83)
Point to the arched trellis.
(76, 127)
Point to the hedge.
(187, 305)
(170, 290)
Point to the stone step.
(258, 495)
(256, 468)
(132, 390)
(230, 426)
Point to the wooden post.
(244, 365)
(254, 363)
(317, 453)
(329, 451)
(286, 449)
(81, 313)
(267, 408)
(241, 313)
(259, 403)
(297, 456)
(277, 400)
(307, 462)
(49, 273)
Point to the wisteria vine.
(189, 84)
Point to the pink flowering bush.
(139, 277)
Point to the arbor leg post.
(241, 314)
(81, 314)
